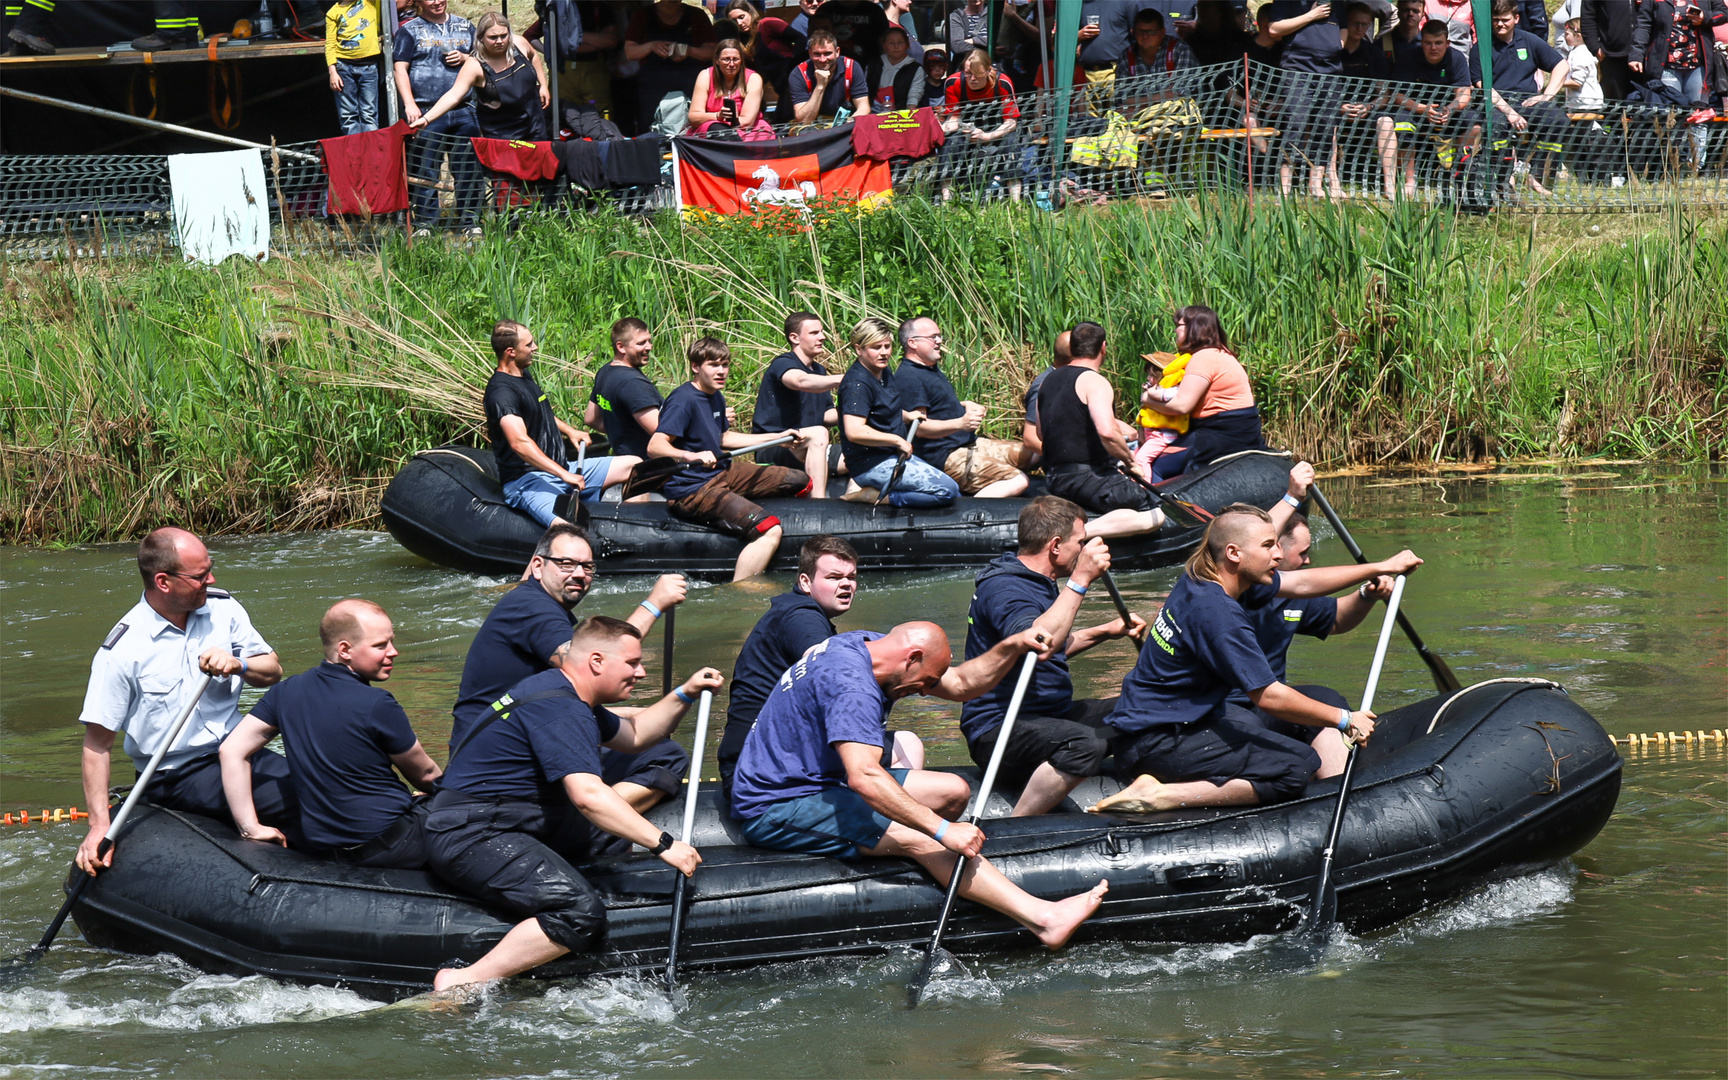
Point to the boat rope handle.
(1525, 680)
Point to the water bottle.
(266, 22)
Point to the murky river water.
(1610, 582)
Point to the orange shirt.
(1229, 388)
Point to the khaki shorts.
(984, 462)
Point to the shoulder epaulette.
(114, 635)
(219, 594)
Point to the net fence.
(1239, 127)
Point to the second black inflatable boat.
(1501, 779)
(446, 506)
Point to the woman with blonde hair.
(508, 79)
(728, 97)
(875, 430)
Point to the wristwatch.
(665, 842)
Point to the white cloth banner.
(221, 206)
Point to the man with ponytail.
(1177, 732)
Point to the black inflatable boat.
(1501, 779)
(446, 506)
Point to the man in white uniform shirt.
(148, 668)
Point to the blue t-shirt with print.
(422, 45)
(1009, 598)
(829, 696)
(1276, 625)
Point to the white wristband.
(1076, 586)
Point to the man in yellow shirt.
(351, 50)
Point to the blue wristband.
(682, 696)
(941, 831)
(650, 608)
(1295, 503)
(1343, 719)
(1081, 589)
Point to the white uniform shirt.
(147, 669)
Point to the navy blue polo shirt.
(928, 388)
(1009, 598)
(1368, 61)
(524, 755)
(1277, 623)
(1202, 646)
(695, 422)
(1414, 67)
(340, 732)
(878, 402)
(779, 407)
(1317, 47)
(793, 623)
(525, 627)
(1516, 63)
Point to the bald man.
(150, 665)
(1030, 435)
(811, 779)
(343, 735)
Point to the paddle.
(671, 622)
(899, 468)
(18, 967)
(1184, 513)
(1324, 910)
(1121, 608)
(915, 989)
(1443, 677)
(682, 883)
(660, 468)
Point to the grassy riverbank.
(285, 395)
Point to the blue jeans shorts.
(535, 493)
(836, 822)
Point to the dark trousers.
(426, 155)
(661, 766)
(1076, 742)
(1231, 743)
(402, 846)
(196, 788)
(1616, 77)
(1303, 732)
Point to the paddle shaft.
(1121, 608)
(117, 823)
(900, 467)
(681, 884)
(1188, 515)
(1443, 677)
(671, 637)
(1324, 909)
(916, 989)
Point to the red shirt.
(518, 158)
(367, 172)
(960, 93)
(881, 136)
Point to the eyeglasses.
(571, 566)
(927, 337)
(207, 574)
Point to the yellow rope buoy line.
(46, 817)
(1673, 740)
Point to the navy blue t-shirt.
(1414, 67)
(340, 733)
(861, 394)
(1009, 598)
(1201, 647)
(1368, 61)
(928, 388)
(1317, 47)
(524, 755)
(1277, 623)
(793, 623)
(520, 396)
(779, 407)
(830, 695)
(694, 421)
(621, 392)
(1516, 64)
(525, 627)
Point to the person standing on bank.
(811, 778)
(429, 50)
(528, 439)
(1214, 394)
(1176, 730)
(624, 401)
(342, 735)
(181, 630)
(528, 631)
(874, 426)
(524, 797)
(948, 438)
(798, 392)
(1083, 441)
(695, 429)
(509, 83)
(1057, 742)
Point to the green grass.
(285, 395)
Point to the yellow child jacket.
(351, 30)
(1152, 418)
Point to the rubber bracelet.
(941, 831)
(1343, 719)
(244, 667)
(1295, 503)
(1362, 589)
(682, 696)
(650, 608)
(1077, 587)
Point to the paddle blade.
(16, 969)
(938, 961)
(1184, 513)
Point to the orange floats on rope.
(55, 816)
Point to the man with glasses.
(146, 671)
(528, 631)
(948, 438)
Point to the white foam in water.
(1500, 904)
(573, 1011)
(206, 1003)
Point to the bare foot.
(1065, 916)
(1140, 797)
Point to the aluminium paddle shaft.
(680, 884)
(1324, 910)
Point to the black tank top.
(509, 102)
(1069, 435)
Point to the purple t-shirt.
(828, 696)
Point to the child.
(351, 51)
(1158, 431)
(1583, 88)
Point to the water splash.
(1503, 903)
(204, 1003)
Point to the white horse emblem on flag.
(770, 191)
